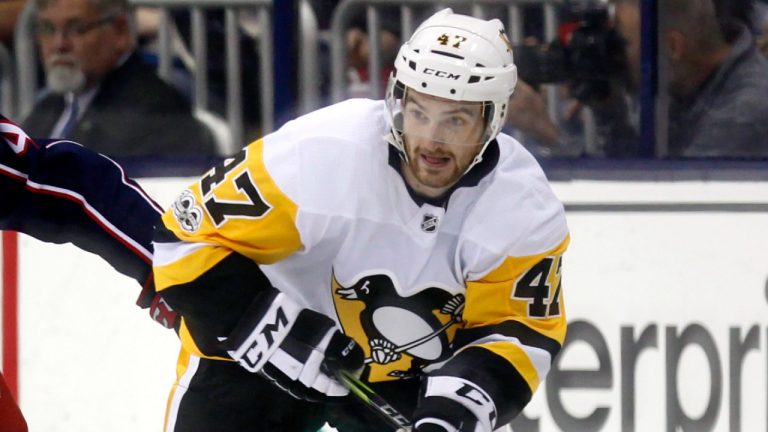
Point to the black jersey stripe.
(494, 374)
(516, 329)
(217, 299)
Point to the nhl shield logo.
(429, 223)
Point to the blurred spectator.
(615, 116)
(9, 13)
(761, 25)
(358, 45)
(717, 82)
(587, 65)
(358, 53)
(530, 121)
(99, 93)
(762, 41)
(715, 76)
(742, 11)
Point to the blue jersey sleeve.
(60, 192)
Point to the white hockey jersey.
(322, 207)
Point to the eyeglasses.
(76, 28)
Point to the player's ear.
(676, 44)
(122, 28)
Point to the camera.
(587, 54)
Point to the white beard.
(64, 78)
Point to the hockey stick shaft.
(372, 400)
(418, 341)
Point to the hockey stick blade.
(372, 400)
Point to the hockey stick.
(419, 341)
(372, 400)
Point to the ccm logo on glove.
(266, 335)
(293, 347)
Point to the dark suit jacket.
(134, 113)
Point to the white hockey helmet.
(455, 57)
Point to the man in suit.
(99, 93)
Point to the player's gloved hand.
(159, 309)
(451, 404)
(293, 346)
(163, 313)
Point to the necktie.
(71, 119)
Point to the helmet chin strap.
(475, 161)
(394, 139)
(478, 157)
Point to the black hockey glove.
(292, 346)
(451, 404)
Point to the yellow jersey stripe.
(189, 267)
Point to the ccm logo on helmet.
(441, 74)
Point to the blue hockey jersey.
(60, 192)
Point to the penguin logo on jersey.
(187, 214)
(400, 335)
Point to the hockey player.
(60, 192)
(405, 240)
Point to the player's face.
(78, 44)
(442, 137)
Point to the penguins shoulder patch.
(188, 214)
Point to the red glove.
(159, 310)
(162, 312)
